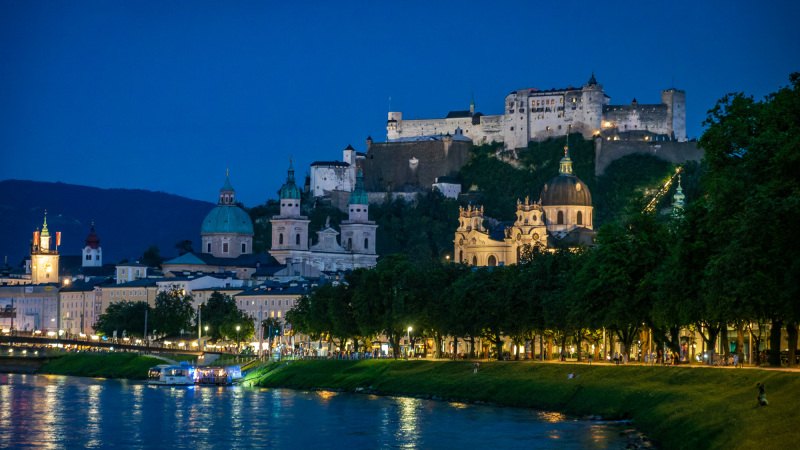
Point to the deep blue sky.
(165, 95)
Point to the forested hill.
(127, 221)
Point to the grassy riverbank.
(678, 407)
(112, 365)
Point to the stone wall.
(607, 152)
(412, 166)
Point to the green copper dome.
(227, 219)
(289, 189)
(359, 195)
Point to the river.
(71, 412)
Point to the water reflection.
(59, 412)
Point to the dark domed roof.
(566, 190)
(93, 241)
(227, 219)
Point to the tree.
(123, 317)
(152, 257)
(173, 313)
(184, 247)
(753, 155)
(382, 302)
(217, 312)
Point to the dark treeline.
(731, 260)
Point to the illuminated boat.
(170, 375)
(220, 376)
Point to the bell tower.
(44, 261)
(290, 228)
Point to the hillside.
(127, 221)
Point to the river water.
(72, 412)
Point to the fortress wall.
(607, 152)
(653, 118)
(388, 167)
(488, 130)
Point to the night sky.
(167, 95)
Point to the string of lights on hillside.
(664, 189)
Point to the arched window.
(280, 239)
(560, 218)
(297, 239)
(349, 243)
(580, 218)
(474, 260)
(519, 254)
(461, 256)
(244, 248)
(208, 247)
(366, 243)
(492, 261)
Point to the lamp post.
(409, 340)
(206, 328)
(237, 338)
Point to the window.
(208, 247)
(224, 247)
(88, 257)
(366, 243)
(580, 218)
(273, 302)
(492, 261)
(297, 239)
(279, 303)
(280, 239)
(461, 256)
(474, 260)
(97, 257)
(279, 314)
(244, 248)
(349, 243)
(560, 219)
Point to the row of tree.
(732, 259)
(173, 315)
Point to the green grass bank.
(112, 365)
(677, 407)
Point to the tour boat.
(219, 376)
(170, 375)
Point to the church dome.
(566, 189)
(227, 219)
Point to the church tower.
(44, 261)
(678, 200)
(92, 252)
(358, 233)
(289, 229)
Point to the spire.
(290, 189)
(565, 166)
(226, 192)
(678, 199)
(45, 232)
(592, 80)
(472, 104)
(359, 195)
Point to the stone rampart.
(607, 152)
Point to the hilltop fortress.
(535, 115)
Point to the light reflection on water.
(59, 412)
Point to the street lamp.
(237, 338)
(409, 340)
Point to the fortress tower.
(675, 99)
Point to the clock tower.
(44, 259)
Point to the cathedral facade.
(562, 216)
(353, 248)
